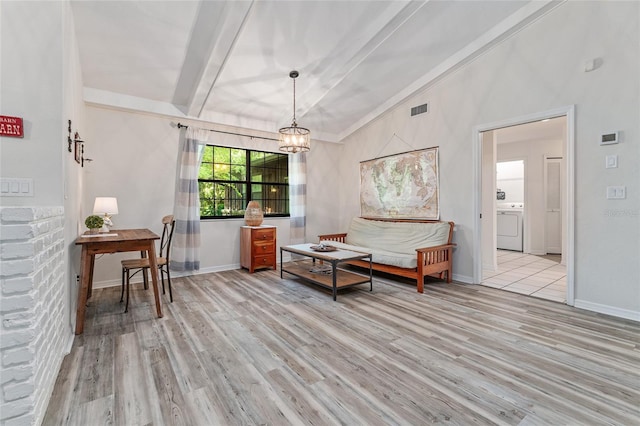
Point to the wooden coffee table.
(333, 277)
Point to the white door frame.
(569, 149)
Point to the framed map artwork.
(401, 186)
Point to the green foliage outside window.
(230, 177)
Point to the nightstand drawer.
(267, 260)
(267, 234)
(263, 247)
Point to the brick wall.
(34, 333)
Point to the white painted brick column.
(33, 333)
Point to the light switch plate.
(611, 161)
(16, 187)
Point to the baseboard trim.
(174, 274)
(606, 309)
(462, 278)
(116, 283)
(208, 270)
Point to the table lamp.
(106, 206)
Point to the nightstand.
(258, 247)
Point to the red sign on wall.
(11, 126)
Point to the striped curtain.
(185, 248)
(297, 197)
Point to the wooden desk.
(126, 240)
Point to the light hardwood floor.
(238, 348)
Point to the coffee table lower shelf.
(344, 278)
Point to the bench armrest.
(333, 237)
(434, 260)
(436, 248)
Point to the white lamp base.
(107, 223)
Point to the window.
(230, 177)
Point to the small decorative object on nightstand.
(258, 247)
(253, 215)
(94, 223)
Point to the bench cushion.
(396, 237)
(384, 257)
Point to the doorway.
(547, 210)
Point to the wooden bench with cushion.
(409, 248)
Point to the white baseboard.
(538, 252)
(208, 270)
(116, 283)
(174, 274)
(110, 283)
(462, 278)
(606, 309)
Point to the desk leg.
(90, 290)
(86, 268)
(154, 275)
(145, 278)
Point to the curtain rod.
(180, 126)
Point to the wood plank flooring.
(238, 348)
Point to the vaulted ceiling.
(228, 62)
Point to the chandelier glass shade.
(294, 139)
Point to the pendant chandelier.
(294, 139)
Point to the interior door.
(553, 205)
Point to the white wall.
(40, 82)
(32, 72)
(135, 158)
(538, 69)
(510, 179)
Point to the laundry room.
(530, 188)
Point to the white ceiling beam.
(325, 83)
(213, 35)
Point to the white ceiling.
(229, 61)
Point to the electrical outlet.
(616, 192)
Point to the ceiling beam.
(213, 35)
(332, 77)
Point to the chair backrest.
(168, 223)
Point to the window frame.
(247, 182)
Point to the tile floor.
(539, 276)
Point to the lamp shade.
(294, 139)
(105, 205)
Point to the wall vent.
(420, 109)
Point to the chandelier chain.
(294, 101)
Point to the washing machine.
(510, 226)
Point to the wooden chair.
(130, 267)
